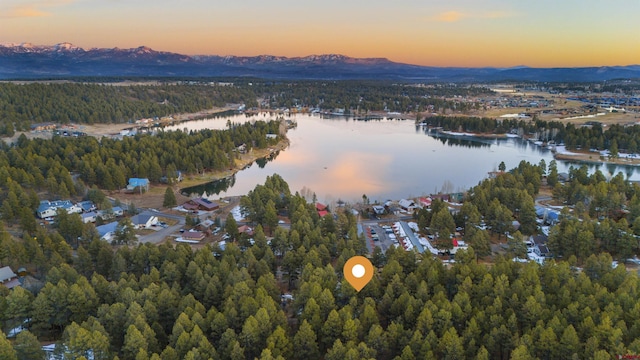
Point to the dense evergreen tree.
(169, 198)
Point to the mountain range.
(64, 60)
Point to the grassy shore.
(596, 158)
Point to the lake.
(341, 158)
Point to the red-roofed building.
(425, 202)
(205, 204)
(200, 204)
(190, 206)
(322, 209)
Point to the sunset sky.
(473, 33)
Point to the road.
(162, 233)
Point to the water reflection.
(212, 188)
(338, 157)
(222, 185)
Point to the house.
(563, 177)
(193, 235)
(425, 202)
(538, 245)
(45, 210)
(378, 209)
(542, 251)
(89, 217)
(244, 229)
(87, 206)
(408, 205)
(242, 148)
(70, 207)
(50, 208)
(107, 231)
(114, 212)
(53, 352)
(190, 206)
(205, 204)
(322, 209)
(457, 245)
(442, 197)
(138, 184)
(207, 224)
(144, 221)
(8, 278)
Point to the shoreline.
(155, 196)
(595, 159)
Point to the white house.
(89, 217)
(378, 209)
(8, 278)
(107, 231)
(117, 211)
(50, 208)
(144, 221)
(408, 205)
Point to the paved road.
(161, 234)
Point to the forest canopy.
(172, 302)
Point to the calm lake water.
(340, 158)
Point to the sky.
(460, 33)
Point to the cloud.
(450, 16)
(29, 9)
(455, 16)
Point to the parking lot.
(379, 235)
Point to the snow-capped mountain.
(26, 60)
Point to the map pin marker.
(358, 271)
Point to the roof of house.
(86, 205)
(406, 203)
(321, 207)
(207, 223)
(116, 209)
(193, 235)
(539, 239)
(88, 215)
(107, 228)
(6, 274)
(206, 203)
(44, 204)
(322, 213)
(141, 219)
(133, 182)
(190, 206)
(543, 249)
(12, 283)
(425, 201)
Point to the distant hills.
(27, 61)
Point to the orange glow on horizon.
(466, 34)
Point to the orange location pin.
(358, 271)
